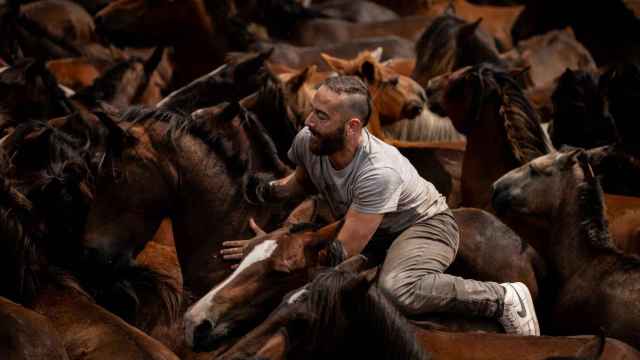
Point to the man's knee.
(402, 292)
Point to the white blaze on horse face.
(200, 310)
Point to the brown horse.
(289, 257)
(340, 316)
(204, 38)
(620, 86)
(358, 11)
(486, 104)
(609, 45)
(163, 162)
(298, 57)
(594, 277)
(232, 81)
(497, 20)
(549, 55)
(123, 84)
(322, 32)
(32, 93)
(580, 116)
(77, 73)
(450, 43)
(28, 335)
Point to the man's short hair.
(361, 105)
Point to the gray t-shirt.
(379, 180)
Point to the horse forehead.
(260, 252)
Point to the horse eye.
(394, 81)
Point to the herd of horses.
(130, 128)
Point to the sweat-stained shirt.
(379, 180)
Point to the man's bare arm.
(357, 230)
(295, 184)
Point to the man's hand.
(234, 250)
(258, 189)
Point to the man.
(381, 197)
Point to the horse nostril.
(202, 331)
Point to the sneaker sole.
(520, 288)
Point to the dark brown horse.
(580, 116)
(231, 81)
(486, 104)
(28, 335)
(335, 307)
(621, 88)
(30, 93)
(321, 32)
(204, 38)
(594, 277)
(609, 45)
(122, 85)
(358, 11)
(164, 162)
(450, 43)
(283, 260)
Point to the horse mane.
(436, 43)
(521, 122)
(271, 109)
(105, 87)
(594, 225)
(385, 333)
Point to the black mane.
(349, 325)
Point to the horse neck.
(200, 49)
(487, 157)
(208, 208)
(381, 331)
(570, 250)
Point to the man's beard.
(328, 144)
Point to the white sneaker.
(519, 315)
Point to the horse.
(549, 55)
(450, 43)
(288, 257)
(231, 81)
(334, 310)
(609, 46)
(578, 227)
(205, 37)
(53, 293)
(298, 57)
(483, 101)
(28, 334)
(79, 72)
(322, 32)
(580, 117)
(358, 11)
(167, 160)
(620, 86)
(31, 94)
(62, 19)
(123, 84)
(497, 20)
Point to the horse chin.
(218, 335)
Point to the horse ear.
(377, 53)
(358, 287)
(583, 160)
(451, 9)
(296, 81)
(368, 71)
(154, 60)
(522, 76)
(326, 234)
(468, 30)
(336, 64)
(252, 65)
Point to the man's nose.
(309, 122)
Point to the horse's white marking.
(293, 298)
(200, 310)
(201, 78)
